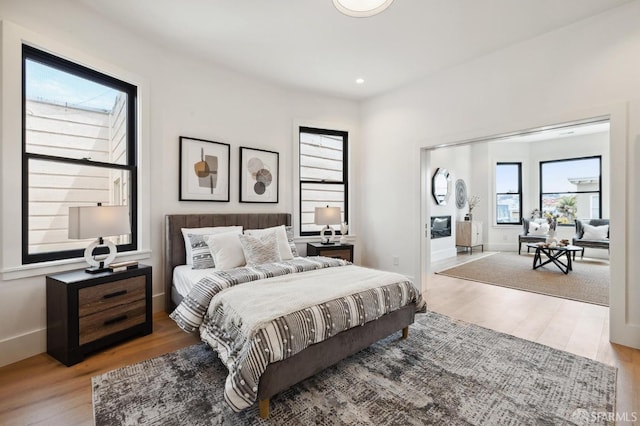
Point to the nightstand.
(87, 312)
(340, 251)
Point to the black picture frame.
(259, 175)
(204, 170)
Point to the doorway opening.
(561, 195)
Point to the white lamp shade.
(98, 221)
(361, 8)
(327, 216)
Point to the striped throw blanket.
(269, 320)
(190, 312)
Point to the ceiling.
(309, 45)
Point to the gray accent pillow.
(201, 257)
(292, 244)
(259, 250)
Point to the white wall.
(584, 70)
(179, 96)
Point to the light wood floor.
(40, 390)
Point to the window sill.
(45, 268)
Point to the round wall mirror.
(440, 186)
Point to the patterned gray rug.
(446, 372)
(587, 282)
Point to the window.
(79, 149)
(570, 188)
(508, 193)
(323, 175)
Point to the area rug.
(446, 372)
(587, 282)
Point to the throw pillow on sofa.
(595, 232)
(541, 229)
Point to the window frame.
(599, 191)
(51, 60)
(519, 193)
(345, 174)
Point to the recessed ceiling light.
(359, 80)
(361, 8)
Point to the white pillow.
(281, 235)
(226, 250)
(260, 249)
(204, 231)
(541, 229)
(595, 232)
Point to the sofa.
(591, 233)
(526, 236)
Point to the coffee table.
(555, 255)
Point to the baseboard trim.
(443, 254)
(24, 346)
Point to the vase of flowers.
(552, 221)
(472, 202)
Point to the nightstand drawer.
(106, 322)
(110, 295)
(338, 251)
(338, 254)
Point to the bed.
(282, 374)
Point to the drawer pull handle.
(115, 320)
(114, 294)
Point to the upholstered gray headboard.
(174, 252)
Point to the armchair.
(526, 237)
(591, 238)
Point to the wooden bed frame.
(283, 374)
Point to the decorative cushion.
(261, 249)
(226, 250)
(538, 228)
(204, 231)
(201, 257)
(281, 236)
(595, 232)
(292, 244)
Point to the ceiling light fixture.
(361, 8)
(359, 80)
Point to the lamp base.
(102, 265)
(326, 240)
(97, 270)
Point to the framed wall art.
(204, 170)
(259, 176)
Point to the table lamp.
(327, 216)
(99, 222)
